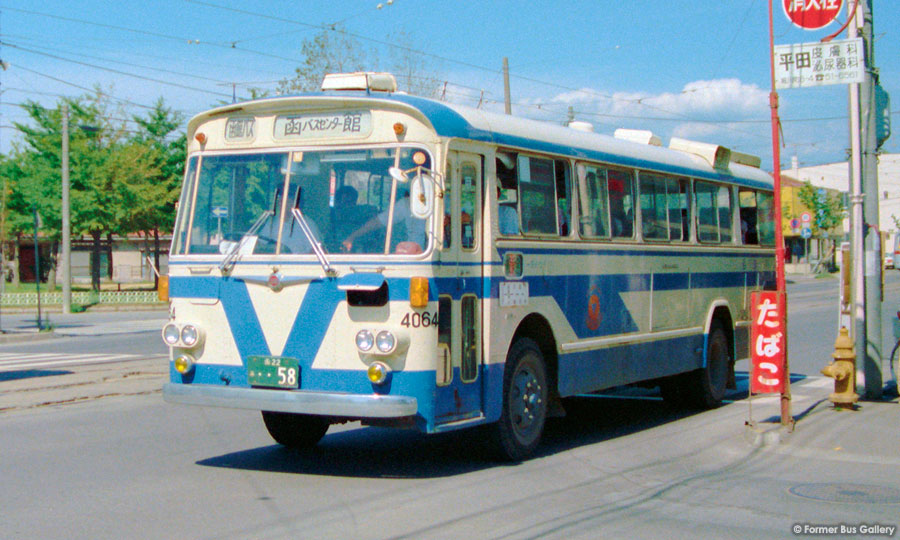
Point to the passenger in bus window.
(509, 216)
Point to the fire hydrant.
(843, 370)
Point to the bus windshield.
(344, 195)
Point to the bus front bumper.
(292, 401)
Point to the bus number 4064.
(417, 319)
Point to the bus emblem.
(593, 309)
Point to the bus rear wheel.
(524, 410)
(297, 431)
(711, 381)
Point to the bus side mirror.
(421, 196)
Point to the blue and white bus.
(364, 255)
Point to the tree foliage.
(330, 51)
(121, 181)
(827, 207)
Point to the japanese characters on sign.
(239, 129)
(767, 343)
(812, 14)
(324, 125)
(801, 65)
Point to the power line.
(116, 71)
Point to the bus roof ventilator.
(363, 80)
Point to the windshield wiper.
(313, 241)
(233, 253)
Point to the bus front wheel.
(298, 431)
(524, 410)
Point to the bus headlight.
(190, 335)
(170, 334)
(364, 340)
(378, 372)
(385, 341)
(184, 364)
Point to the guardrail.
(81, 297)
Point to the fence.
(80, 297)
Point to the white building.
(837, 176)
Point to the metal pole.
(786, 418)
(871, 365)
(507, 102)
(37, 269)
(66, 225)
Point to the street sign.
(220, 211)
(795, 225)
(767, 342)
(805, 232)
(805, 65)
(812, 14)
(805, 217)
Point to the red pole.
(786, 417)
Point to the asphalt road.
(123, 464)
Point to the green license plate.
(273, 371)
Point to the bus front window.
(344, 196)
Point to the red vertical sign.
(767, 342)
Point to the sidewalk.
(21, 325)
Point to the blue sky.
(695, 69)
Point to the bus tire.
(711, 381)
(524, 409)
(297, 431)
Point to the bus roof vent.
(581, 126)
(745, 159)
(362, 80)
(639, 136)
(717, 156)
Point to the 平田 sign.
(802, 65)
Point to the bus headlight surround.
(171, 334)
(385, 341)
(184, 364)
(365, 340)
(190, 335)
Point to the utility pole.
(507, 102)
(66, 225)
(874, 293)
(866, 246)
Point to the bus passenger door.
(460, 395)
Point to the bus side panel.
(590, 371)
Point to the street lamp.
(66, 218)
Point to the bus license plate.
(273, 371)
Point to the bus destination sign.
(355, 124)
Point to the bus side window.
(765, 218)
(448, 207)
(593, 201)
(563, 196)
(507, 194)
(537, 195)
(724, 203)
(621, 203)
(748, 214)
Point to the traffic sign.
(812, 14)
(220, 211)
(806, 232)
(805, 217)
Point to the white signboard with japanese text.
(324, 125)
(803, 65)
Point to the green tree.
(827, 207)
(156, 199)
(104, 164)
(330, 51)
